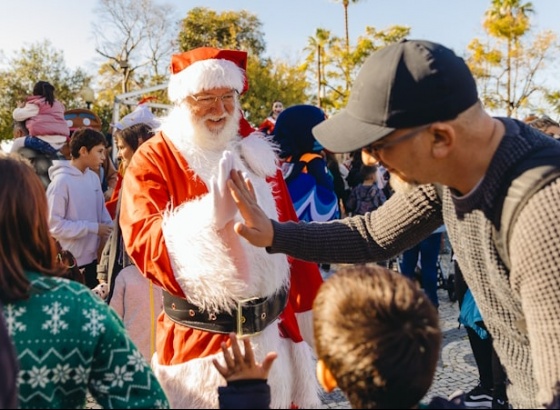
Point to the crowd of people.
(201, 256)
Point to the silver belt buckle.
(240, 318)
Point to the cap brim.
(345, 133)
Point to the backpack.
(520, 191)
(368, 200)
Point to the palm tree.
(345, 4)
(316, 48)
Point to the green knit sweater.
(69, 342)
(520, 307)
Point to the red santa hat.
(206, 68)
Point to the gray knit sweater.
(521, 308)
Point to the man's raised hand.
(257, 229)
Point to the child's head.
(129, 139)
(46, 90)
(27, 244)
(377, 337)
(86, 137)
(368, 172)
(20, 130)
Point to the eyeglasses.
(207, 101)
(375, 148)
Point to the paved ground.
(456, 369)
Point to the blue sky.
(287, 24)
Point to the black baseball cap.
(403, 85)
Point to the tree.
(507, 65)
(134, 36)
(203, 27)
(39, 61)
(339, 68)
(316, 57)
(345, 4)
(268, 80)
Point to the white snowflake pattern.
(12, 313)
(38, 376)
(81, 376)
(160, 404)
(137, 361)
(119, 377)
(61, 374)
(95, 325)
(99, 386)
(55, 323)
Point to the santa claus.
(177, 219)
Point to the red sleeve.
(145, 196)
(305, 276)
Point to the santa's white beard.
(184, 126)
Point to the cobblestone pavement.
(456, 368)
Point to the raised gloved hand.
(224, 205)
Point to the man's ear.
(325, 377)
(443, 139)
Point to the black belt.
(249, 317)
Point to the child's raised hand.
(239, 366)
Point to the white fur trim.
(215, 268)
(205, 75)
(292, 379)
(260, 154)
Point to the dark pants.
(428, 251)
(90, 274)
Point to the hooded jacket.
(76, 208)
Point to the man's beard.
(207, 139)
(400, 185)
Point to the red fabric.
(148, 188)
(267, 125)
(180, 61)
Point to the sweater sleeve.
(535, 277)
(246, 395)
(400, 223)
(27, 111)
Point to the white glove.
(224, 205)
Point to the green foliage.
(203, 27)
(507, 63)
(339, 67)
(40, 61)
(270, 81)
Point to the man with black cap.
(415, 108)
(177, 222)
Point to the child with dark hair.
(44, 119)
(377, 338)
(78, 217)
(268, 124)
(366, 196)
